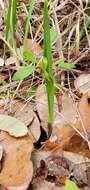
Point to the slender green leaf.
(49, 68)
(23, 72)
(47, 41)
(53, 35)
(13, 21)
(8, 20)
(31, 6)
(64, 65)
(82, 30)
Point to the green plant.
(82, 30)
(31, 6)
(63, 64)
(23, 72)
(29, 56)
(47, 67)
(11, 21)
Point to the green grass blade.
(48, 56)
(47, 42)
(8, 20)
(31, 3)
(13, 21)
(82, 30)
(50, 98)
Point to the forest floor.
(29, 158)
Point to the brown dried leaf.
(84, 109)
(25, 113)
(68, 138)
(34, 47)
(45, 185)
(17, 168)
(82, 83)
(10, 61)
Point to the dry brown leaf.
(60, 119)
(10, 61)
(80, 166)
(34, 47)
(84, 109)
(17, 169)
(68, 138)
(77, 159)
(25, 113)
(37, 156)
(82, 83)
(45, 185)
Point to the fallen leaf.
(37, 156)
(34, 47)
(79, 167)
(73, 137)
(24, 112)
(82, 83)
(77, 159)
(17, 169)
(45, 185)
(10, 61)
(13, 126)
(84, 110)
(60, 119)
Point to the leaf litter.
(66, 155)
(50, 166)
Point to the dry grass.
(67, 17)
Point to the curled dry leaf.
(24, 112)
(17, 169)
(82, 83)
(68, 138)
